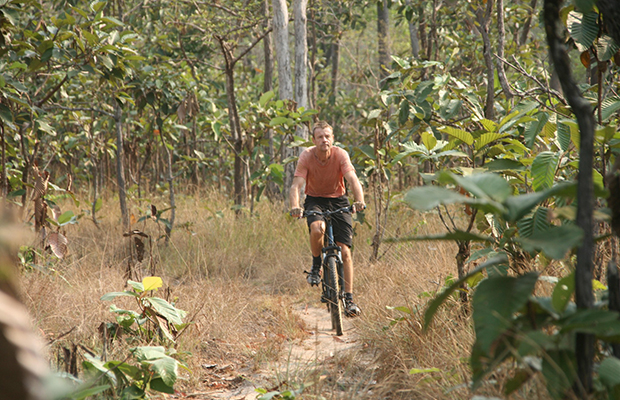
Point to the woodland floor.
(237, 381)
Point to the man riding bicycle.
(323, 169)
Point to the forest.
(148, 149)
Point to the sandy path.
(320, 344)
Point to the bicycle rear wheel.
(333, 299)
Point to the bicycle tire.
(333, 300)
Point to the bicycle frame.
(333, 293)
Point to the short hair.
(322, 125)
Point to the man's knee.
(317, 228)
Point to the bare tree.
(285, 81)
(301, 60)
(383, 36)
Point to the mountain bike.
(332, 281)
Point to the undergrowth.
(238, 279)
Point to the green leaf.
(495, 301)
(414, 371)
(583, 28)
(609, 106)
(543, 170)
(482, 185)
(440, 298)
(89, 391)
(265, 97)
(113, 295)
(563, 136)
(426, 198)
(519, 206)
(428, 140)
(98, 204)
(554, 242)
(65, 218)
(609, 373)
(159, 385)
(562, 292)
(560, 371)
(504, 164)
(606, 48)
(534, 223)
(167, 310)
(533, 129)
(487, 138)
(137, 286)
(277, 121)
(460, 134)
(456, 235)
(167, 368)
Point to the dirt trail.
(300, 355)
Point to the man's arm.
(293, 197)
(356, 188)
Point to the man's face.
(323, 138)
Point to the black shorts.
(341, 222)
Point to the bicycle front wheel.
(333, 300)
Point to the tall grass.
(239, 280)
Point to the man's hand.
(296, 212)
(359, 206)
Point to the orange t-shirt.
(324, 180)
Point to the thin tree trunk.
(120, 168)
(267, 51)
(484, 20)
(285, 81)
(169, 179)
(301, 61)
(239, 139)
(312, 98)
(3, 184)
(528, 24)
(413, 36)
(335, 60)
(383, 36)
(584, 297)
(500, 50)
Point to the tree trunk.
(301, 62)
(312, 99)
(169, 179)
(3, 184)
(500, 50)
(335, 59)
(285, 82)
(383, 36)
(585, 200)
(239, 139)
(528, 23)
(267, 51)
(120, 167)
(484, 20)
(413, 37)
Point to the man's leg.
(347, 264)
(351, 309)
(317, 232)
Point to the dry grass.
(239, 279)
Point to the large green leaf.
(482, 185)
(460, 134)
(560, 371)
(433, 306)
(451, 236)
(609, 373)
(426, 198)
(563, 136)
(609, 106)
(167, 368)
(112, 295)
(606, 48)
(543, 170)
(554, 242)
(534, 223)
(167, 310)
(495, 301)
(487, 138)
(519, 206)
(583, 28)
(534, 128)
